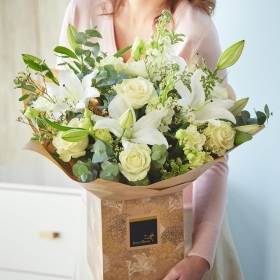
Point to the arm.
(209, 190)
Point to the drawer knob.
(48, 234)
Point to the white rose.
(136, 68)
(135, 162)
(218, 92)
(66, 149)
(137, 91)
(219, 138)
(117, 62)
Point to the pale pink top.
(207, 195)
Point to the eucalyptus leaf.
(95, 49)
(93, 33)
(266, 110)
(82, 169)
(80, 38)
(106, 176)
(261, 117)
(99, 146)
(90, 61)
(156, 155)
(99, 156)
(230, 55)
(245, 116)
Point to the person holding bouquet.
(212, 254)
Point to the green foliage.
(109, 171)
(241, 137)
(246, 119)
(159, 156)
(86, 171)
(177, 168)
(143, 182)
(39, 65)
(57, 126)
(103, 151)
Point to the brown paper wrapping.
(108, 190)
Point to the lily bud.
(126, 120)
(250, 129)
(238, 106)
(230, 55)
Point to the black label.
(143, 231)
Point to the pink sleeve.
(209, 49)
(209, 190)
(209, 202)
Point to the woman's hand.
(189, 268)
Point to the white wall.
(254, 188)
(32, 27)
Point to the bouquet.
(137, 123)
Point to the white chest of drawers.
(28, 215)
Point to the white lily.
(70, 87)
(196, 104)
(143, 131)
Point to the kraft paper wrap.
(107, 190)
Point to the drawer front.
(24, 216)
(16, 275)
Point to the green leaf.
(37, 64)
(156, 155)
(30, 88)
(95, 49)
(99, 146)
(245, 116)
(230, 55)
(99, 156)
(71, 31)
(93, 33)
(266, 110)
(90, 61)
(24, 97)
(174, 166)
(57, 126)
(122, 51)
(261, 117)
(80, 38)
(241, 137)
(65, 51)
(89, 44)
(82, 170)
(74, 135)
